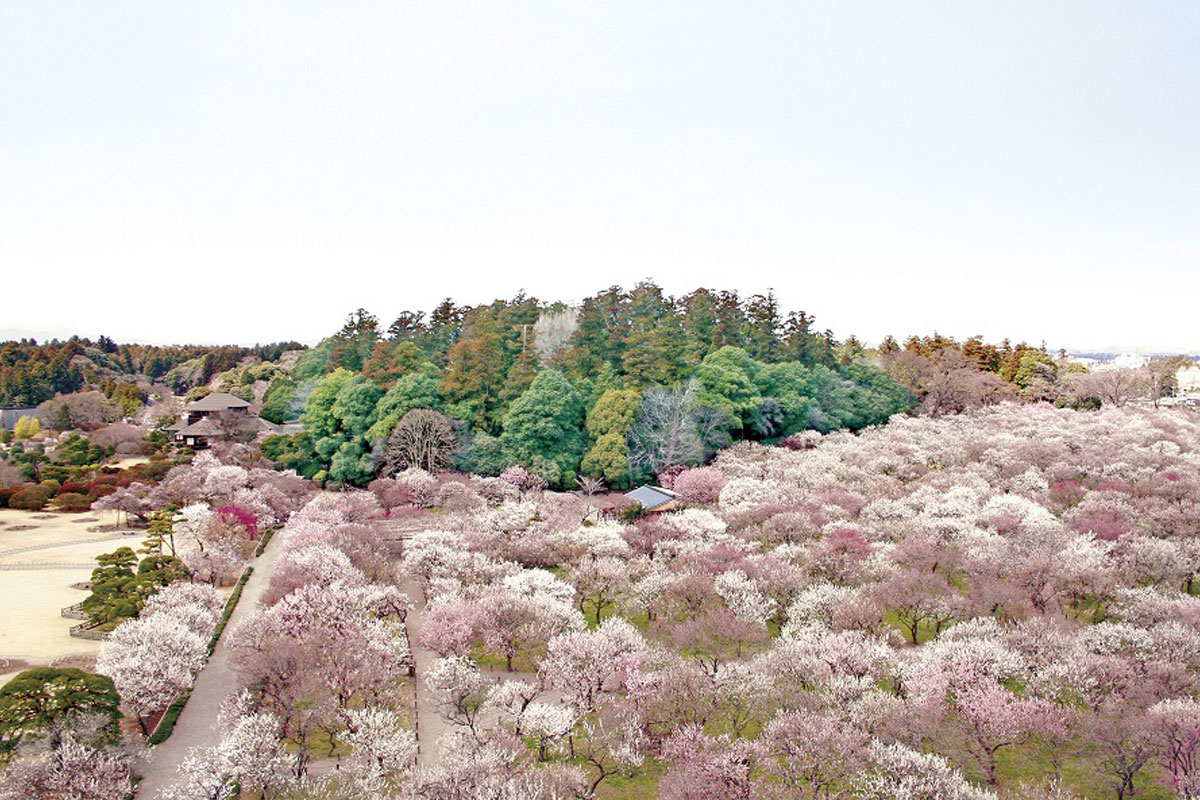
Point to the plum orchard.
(992, 604)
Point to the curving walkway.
(197, 725)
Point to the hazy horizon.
(232, 173)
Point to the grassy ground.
(644, 785)
(1080, 773)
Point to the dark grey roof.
(204, 427)
(651, 497)
(217, 401)
(9, 416)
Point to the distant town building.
(1125, 361)
(1187, 379)
(213, 416)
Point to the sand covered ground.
(57, 551)
(129, 461)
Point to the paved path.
(429, 725)
(197, 725)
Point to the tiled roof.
(651, 497)
(217, 401)
(204, 427)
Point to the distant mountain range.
(1105, 353)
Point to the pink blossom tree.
(706, 768)
(814, 754)
(700, 485)
(582, 664)
(1176, 725)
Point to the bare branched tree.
(589, 486)
(422, 438)
(1113, 387)
(671, 429)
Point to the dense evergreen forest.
(628, 383)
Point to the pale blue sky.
(254, 171)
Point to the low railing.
(87, 630)
(74, 612)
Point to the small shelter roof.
(258, 424)
(217, 401)
(652, 497)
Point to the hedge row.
(166, 725)
(264, 539)
(230, 605)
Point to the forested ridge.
(627, 383)
(31, 373)
(615, 388)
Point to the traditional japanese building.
(212, 417)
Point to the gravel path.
(197, 725)
(63, 543)
(429, 725)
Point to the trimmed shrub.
(264, 540)
(166, 725)
(632, 512)
(73, 487)
(101, 491)
(230, 605)
(29, 498)
(72, 501)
